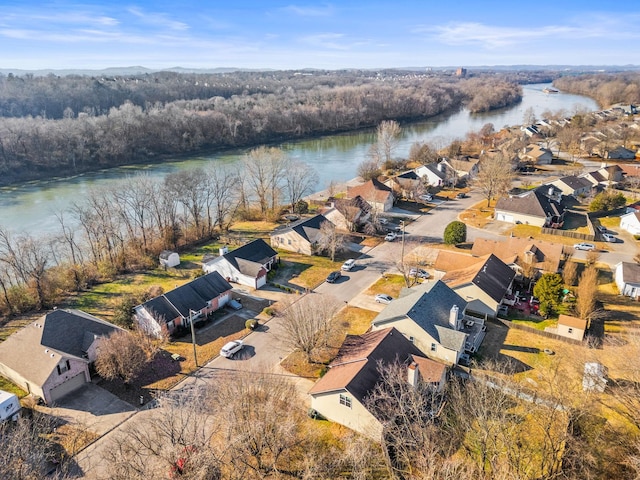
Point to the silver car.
(231, 348)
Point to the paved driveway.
(93, 408)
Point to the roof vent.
(46, 350)
(52, 355)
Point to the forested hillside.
(73, 124)
(607, 89)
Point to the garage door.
(56, 393)
(503, 217)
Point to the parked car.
(333, 276)
(348, 265)
(231, 348)
(503, 310)
(426, 197)
(461, 195)
(382, 221)
(584, 246)
(601, 229)
(609, 238)
(383, 298)
(390, 237)
(418, 272)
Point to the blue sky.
(331, 35)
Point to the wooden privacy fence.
(535, 331)
(570, 234)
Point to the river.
(31, 206)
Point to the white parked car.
(348, 265)
(383, 298)
(426, 197)
(418, 272)
(390, 237)
(609, 238)
(584, 246)
(231, 348)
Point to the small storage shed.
(169, 258)
(9, 406)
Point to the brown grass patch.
(72, 438)
(389, 284)
(478, 215)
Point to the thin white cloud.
(326, 40)
(158, 19)
(307, 11)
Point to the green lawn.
(7, 386)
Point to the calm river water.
(31, 206)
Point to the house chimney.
(224, 250)
(413, 374)
(441, 167)
(453, 317)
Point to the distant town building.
(461, 72)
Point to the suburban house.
(448, 260)
(432, 316)
(536, 154)
(50, 358)
(630, 169)
(247, 265)
(406, 184)
(570, 327)
(517, 253)
(620, 153)
(432, 174)
(463, 168)
(341, 394)
(169, 259)
(483, 285)
(301, 236)
(178, 307)
(627, 277)
(532, 208)
(606, 176)
(377, 194)
(631, 222)
(348, 214)
(573, 186)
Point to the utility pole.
(402, 257)
(193, 337)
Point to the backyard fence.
(535, 331)
(570, 234)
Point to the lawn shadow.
(212, 331)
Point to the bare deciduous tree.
(121, 355)
(570, 273)
(587, 293)
(306, 323)
(330, 240)
(495, 175)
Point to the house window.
(289, 241)
(570, 330)
(433, 347)
(412, 340)
(64, 367)
(346, 401)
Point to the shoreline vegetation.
(162, 117)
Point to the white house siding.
(575, 333)
(630, 223)
(627, 289)
(292, 242)
(513, 217)
(355, 417)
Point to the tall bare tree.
(387, 137)
(495, 175)
(586, 293)
(306, 323)
(121, 355)
(330, 240)
(300, 180)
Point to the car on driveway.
(426, 197)
(333, 276)
(601, 229)
(609, 238)
(382, 221)
(584, 246)
(461, 195)
(383, 298)
(231, 348)
(348, 265)
(418, 272)
(390, 237)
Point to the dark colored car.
(333, 276)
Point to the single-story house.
(627, 277)
(463, 168)
(377, 194)
(447, 260)
(169, 259)
(531, 208)
(432, 174)
(50, 357)
(571, 327)
(348, 214)
(483, 285)
(178, 307)
(432, 316)
(631, 222)
(572, 185)
(406, 184)
(536, 154)
(604, 177)
(518, 252)
(620, 153)
(630, 169)
(301, 236)
(341, 395)
(247, 265)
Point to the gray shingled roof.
(574, 182)
(429, 307)
(533, 203)
(190, 296)
(307, 228)
(250, 258)
(494, 278)
(630, 272)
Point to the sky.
(326, 35)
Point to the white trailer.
(9, 406)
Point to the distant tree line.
(606, 89)
(125, 121)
